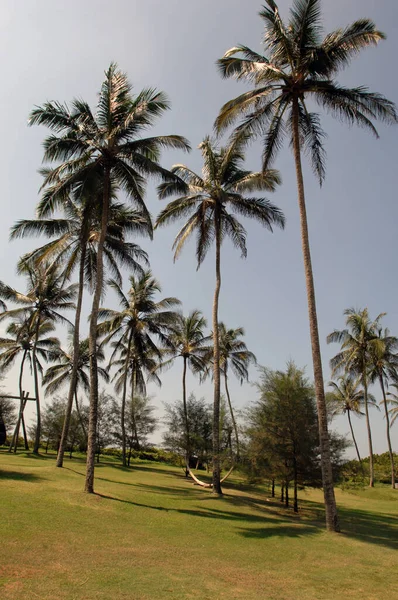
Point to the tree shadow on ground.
(273, 520)
(20, 476)
(363, 525)
(208, 513)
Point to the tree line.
(93, 157)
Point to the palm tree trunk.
(332, 521)
(75, 365)
(25, 437)
(216, 367)
(93, 415)
(133, 420)
(184, 400)
(388, 432)
(36, 381)
(124, 393)
(232, 414)
(353, 438)
(21, 406)
(79, 414)
(365, 393)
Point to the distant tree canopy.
(8, 417)
(200, 428)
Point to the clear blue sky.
(57, 51)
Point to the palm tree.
(143, 362)
(384, 367)
(107, 145)
(189, 343)
(61, 373)
(234, 356)
(211, 202)
(300, 65)
(359, 342)
(20, 341)
(346, 398)
(134, 327)
(393, 400)
(47, 294)
(78, 234)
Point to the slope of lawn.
(149, 534)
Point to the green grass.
(150, 535)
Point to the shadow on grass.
(366, 526)
(20, 476)
(273, 520)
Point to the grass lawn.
(148, 534)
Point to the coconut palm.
(61, 373)
(210, 203)
(235, 357)
(143, 363)
(393, 401)
(359, 342)
(19, 343)
(301, 65)
(347, 398)
(47, 294)
(106, 145)
(141, 324)
(384, 359)
(189, 343)
(76, 244)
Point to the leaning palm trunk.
(75, 365)
(232, 415)
(133, 419)
(36, 382)
(332, 522)
(124, 394)
(80, 416)
(365, 393)
(93, 415)
(184, 400)
(353, 439)
(388, 432)
(216, 368)
(14, 441)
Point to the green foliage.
(282, 440)
(149, 454)
(351, 474)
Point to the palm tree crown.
(59, 374)
(212, 200)
(301, 65)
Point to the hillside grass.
(148, 534)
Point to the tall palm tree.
(359, 342)
(107, 145)
(346, 398)
(61, 373)
(393, 401)
(143, 364)
(189, 343)
(384, 360)
(210, 202)
(20, 340)
(46, 295)
(301, 64)
(138, 328)
(76, 244)
(235, 357)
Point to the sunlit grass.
(150, 534)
